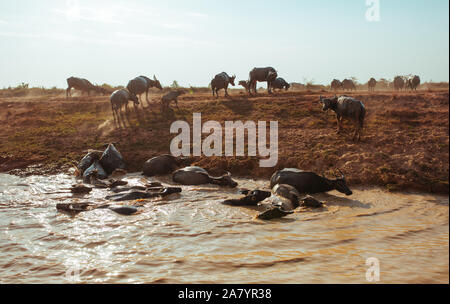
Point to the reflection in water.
(192, 238)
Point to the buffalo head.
(340, 184)
(327, 102)
(225, 180)
(156, 83)
(232, 80)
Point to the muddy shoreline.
(405, 144)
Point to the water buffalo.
(142, 84)
(221, 81)
(280, 202)
(244, 83)
(346, 107)
(413, 82)
(348, 84)
(160, 165)
(88, 160)
(399, 83)
(371, 84)
(112, 159)
(336, 85)
(119, 99)
(267, 74)
(280, 84)
(309, 182)
(83, 85)
(196, 176)
(171, 96)
(148, 193)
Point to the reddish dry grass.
(405, 142)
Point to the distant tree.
(23, 85)
(174, 85)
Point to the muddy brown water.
(192, 238)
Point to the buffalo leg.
(338, 118)
(136, 109)
(127, 114)
(356, 130)
(114, 115)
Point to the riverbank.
(405, 142)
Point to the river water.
(192, 238)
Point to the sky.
(45, 42)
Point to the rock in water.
(88, 160)
(74, 207)
(95, 169)
(272, 213)
(80, 188)
(112, 159)
(124, 210)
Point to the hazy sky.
(44, 42)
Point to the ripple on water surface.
(192, 238)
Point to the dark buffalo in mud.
(267, 74)
(196, 176)
(371, 84)
(282, 201)
(221, 81)
(309, 182)
(94, 172)
(83, 85)
(348, 85)
(280, 84)
(88, 160)
(149, 193)
(336, 85)
(142, 84)
(119, 100)
(348, 108)
(160, 165)
(112, 159)
(413, 82)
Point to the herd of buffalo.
(344, 106)
(290, 188)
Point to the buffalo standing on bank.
(346, 107)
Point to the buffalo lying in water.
(75, 208)
(196, 176)
(282, 201)
(160, 165)
(309, 182)
(149, 193)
